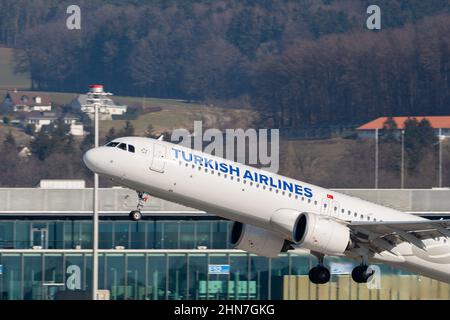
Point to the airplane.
(273, 214)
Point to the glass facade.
(176, 258)
(145, 234)
(162, 274)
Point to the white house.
(26, 101)
(77, 130)
(40, 119)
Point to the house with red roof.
(26, 101)
(440, 124)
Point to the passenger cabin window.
(123, 146)
(131, 148)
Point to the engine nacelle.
(322, 234)
(284, 222)
(256, 240)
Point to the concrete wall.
(120, 200)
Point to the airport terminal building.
(174, 253)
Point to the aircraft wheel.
(135, 215)
(319, 275)
(362, 273)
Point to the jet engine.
(258, 241)
(322, 234)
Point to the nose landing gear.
(136, 215)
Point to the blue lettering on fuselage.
(263, 179)
(248, 174)
(273, 185)
(208, 163)
(198, 160)
(308, 193)
(234, 170)
(298, 190)
(224, 167)
(176, 152)
(288, 186)
(185, 158)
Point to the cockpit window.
(112, 144)
(122, 146)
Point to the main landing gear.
(136, 215)
(319, 274)
(362, 273)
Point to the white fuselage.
(242, 193)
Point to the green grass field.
(8, 79)
(161, 121)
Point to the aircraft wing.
(392, 232)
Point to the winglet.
(161, 138)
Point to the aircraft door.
(159, 157)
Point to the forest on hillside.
(300, 62)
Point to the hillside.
(8, 78)
(302, 63)
(20, 137)
(292, 64)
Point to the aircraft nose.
(91, 160)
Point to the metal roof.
(436, 122)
